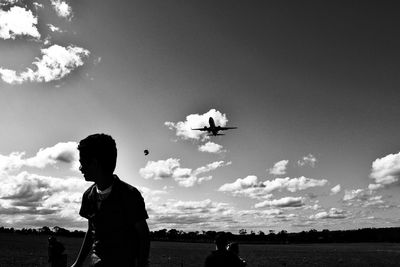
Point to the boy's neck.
(105, 182)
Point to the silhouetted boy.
(56, 256)
(117, 234)
(221, 256)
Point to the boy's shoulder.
(126, 189)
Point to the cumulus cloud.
(386, 170)
(56, 63)
(279, 168)
(251, 187)
(42, 198)
(8, 2)
(170, 168)
(18, 22)
(65, 152)
(284, 202)
(356, 194)
(308, 160)
(364, 198)
(336, 189)
(184, 128)
(239, 184)
(54, 28)
(211, 147)
(333, 213)
(62, 8)
(191, 215)
(37, 5)
(373, 187)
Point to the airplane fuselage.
(213, 129)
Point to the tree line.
(272, 237)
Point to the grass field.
(29, 250)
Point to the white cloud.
(56, 63)
(8, 2)
(18, 22)
(184, 128)
(191, 215)
(62, 9)
(333, 213)
(284, 202)
(308, 160)
(37, 5)
(294, 184)
(211, 147)
(336, 189)
(251, 187)
(356, 194)
(54, 28)
(279, 168)
(43, 198)
(364, 198)
(386, 170)
(373, 187)
(65, 152)
(170, 168)
(239, 184)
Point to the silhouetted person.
(221, 256)
(56, 256)
(234, 248)
(117, 233)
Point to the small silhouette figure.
(234, 248)
(221, 256)
(56, 256)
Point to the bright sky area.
(312, 86)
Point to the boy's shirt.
(112, 216)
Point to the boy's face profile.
(88, 167)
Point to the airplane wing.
(200, 129)
(226, 128)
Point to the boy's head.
(221, 240)
(97, 149)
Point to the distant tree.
(242, 232)
(45, 230)
(60, 231)
(172, 234)
(210, 235)
(261, 233)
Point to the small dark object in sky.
(146, 152)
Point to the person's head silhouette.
(221, 241)
(98, 157)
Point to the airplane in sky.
(213, 130)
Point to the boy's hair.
(221, 240)
(101, 147)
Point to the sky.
(312, 86)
